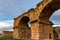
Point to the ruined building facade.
(41, 28)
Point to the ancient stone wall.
(8, 34)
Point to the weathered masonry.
(41, 28)
(56, 31)
(7, 34)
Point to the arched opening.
(55, 18)
(25, 30)
(24, 22)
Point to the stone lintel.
(46, 23)
(15, 27)
(49, 22)
(34, 21)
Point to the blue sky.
(55, 17)
(10, 9)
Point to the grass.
(1, 38)
(6, 38)
(56, 39)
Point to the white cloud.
(10, 30)
(6, 25)
(56, 25)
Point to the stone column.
(34, 30)
(16, 33)
(45, 31)
(41, 30)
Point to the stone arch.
(50, 8)
(25, 30)
(24, 21)
(45, 14)
(45, 9)
(41, 27)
